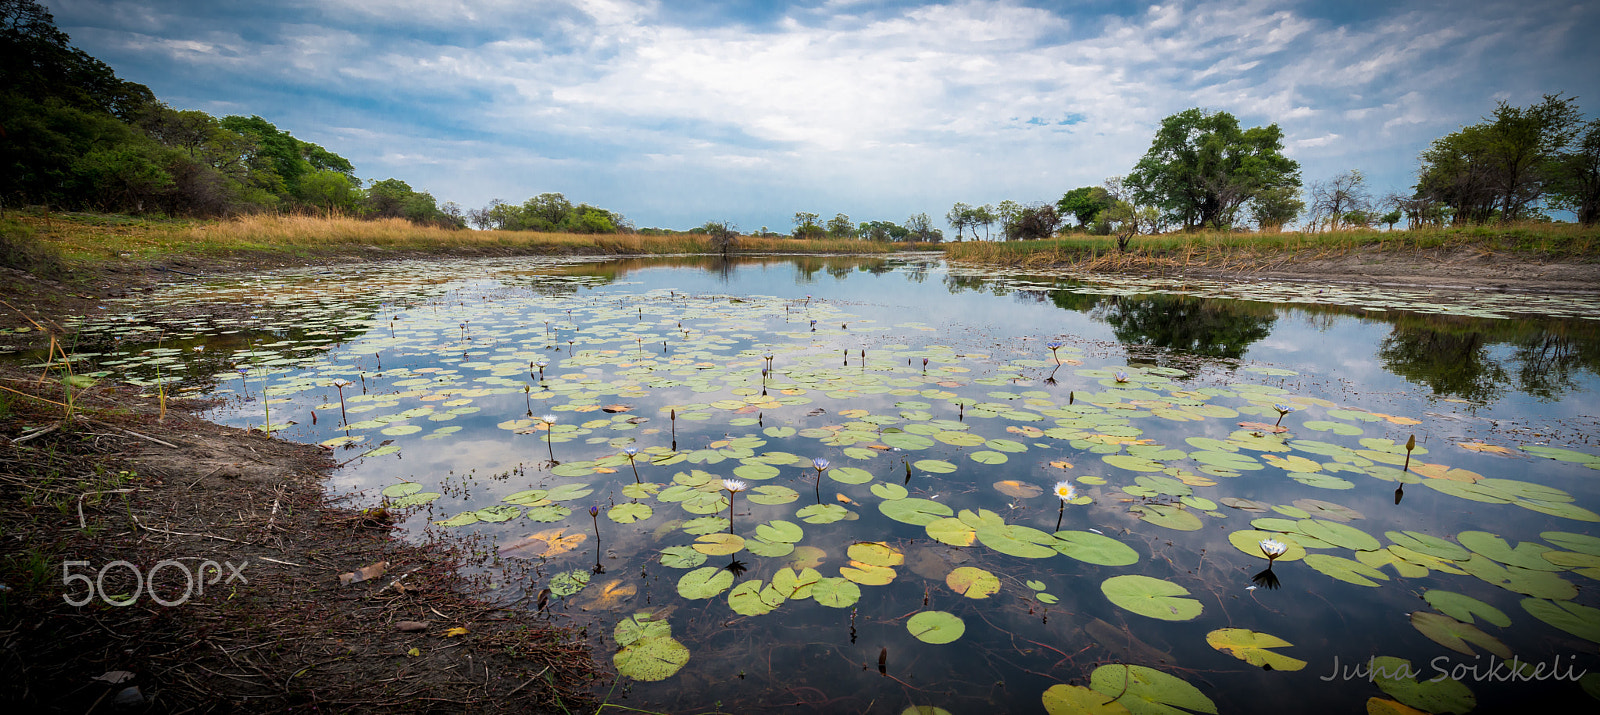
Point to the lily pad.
(1253, 647)
(630, 512)
(915, 511)
(1151, 597)
(1095, 548)
(1579, 620)
(1346, 570)
(835, 592)
(972, 582)
(1147, 691)
(1464, 608)
(705, 582)
(937, 627)
(1399, 679)
(1455, 635)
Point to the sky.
(678, 113)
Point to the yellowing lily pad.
(972, 582)
(1253, 647)
(1455, 635)
(1147, 691)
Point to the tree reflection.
(1457, 357)
(1196, 326)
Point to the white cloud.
(888, 111)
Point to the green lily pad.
(934, 466)
(1345, 569)
(651, 659)
(1095, 548)
(772, 494)
(681, 557)
(549, 513)
(1399, 679)
(915, 511)
(1147, 691)
(1582, 543)
(1429, 544)
(936, 627)
(568, 492)
(1527, 554)
(1249, 541)
(705, 582)
(824, 513)
(835, 592)
(630, 512)
(989, 457)
(888, 491)
(1455, 635)
(1342, 535)
(567, 583)
(1539, 584)
(395, 491)
(1579, 620)
(1464, 608)
(1063, 699)
(778, 530)
(1151, 597)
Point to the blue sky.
(676, 113)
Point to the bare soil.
(273, 628)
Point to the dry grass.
(1267, 250)
(99, 238)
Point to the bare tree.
(1342, 200)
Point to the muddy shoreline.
(272, 626)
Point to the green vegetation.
(1540, 240)
(92, 239)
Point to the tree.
(1575, 176)
(1201, 167)
(1127, 217)
(805, 225)
(724, 235)
(960, 217)
(329, 189)
(1274, 207)
(920, 228)
(1034, 222)
(1502, 166)
(1391, 218)
(840, 227)
(1084, 204)
(982, 216)
(1340, 201)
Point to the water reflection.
(1477, 360)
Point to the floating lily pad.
(1399, 679)
(825, 513)
(937, 627)
(1147, 691)
(1095, 548)
(915, 511)
(772, 494)
(1249, 541)
(705, 582)
(682, 557)
(1346, 570)
(835, 592)
(1464, 608)
(1455, 635)
(1151, 597)
(1062, 699)
(1579, 620)
(1254, 647)
(972, 582)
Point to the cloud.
(876, 109)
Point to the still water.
(1041, 492)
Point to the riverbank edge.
(123, 480)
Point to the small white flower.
(1066, 491)
(1273, 548)
(733, 485)
(341, 382)
(548, 419)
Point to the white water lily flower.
(1273, 548)
(733, 485)
(341, 382)
(548, 419)
(1066, 491)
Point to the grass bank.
(89, 238)
(1267, 250)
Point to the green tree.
(1504, 165)
(1575, 176)
(840, 227)
(960, 217)
(1084, 204)
(1272, 208)
(919, 227)
(1201, 167)
(330, 190)
(805, 225)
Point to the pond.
(828, 484)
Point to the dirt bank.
(1463, 269)
(273, 628)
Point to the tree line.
(1204, 171)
